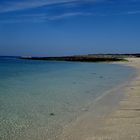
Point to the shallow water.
(38, 98)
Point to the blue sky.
(67, 27)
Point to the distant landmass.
(86, 58)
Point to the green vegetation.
(82, 58)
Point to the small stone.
(52, 114)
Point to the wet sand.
(115, 116)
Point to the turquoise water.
(38, 98)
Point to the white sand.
(116, 116)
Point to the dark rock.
(52, 114)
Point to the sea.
(39, 98)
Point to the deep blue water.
(38, 98)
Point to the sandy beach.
(116, 116)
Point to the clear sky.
(66, 27)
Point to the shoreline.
(114, 116)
